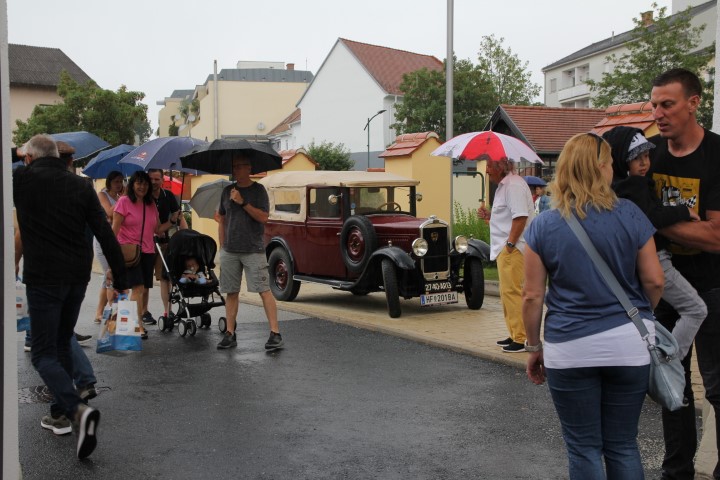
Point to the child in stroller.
(189, 263)
(193, 273)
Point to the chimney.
(647, 18)
(291, 66)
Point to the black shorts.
(142, 273)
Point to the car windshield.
(369, 199)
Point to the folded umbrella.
(216, 157)
(206, 200)
(85, 144)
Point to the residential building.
(566, 79)
(544, 129)
(170, 113)
(355, 82)
(283, 136)
(34, 77)
(251, 100)
(638, 115)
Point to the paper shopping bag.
(21, 310)
(120, 331)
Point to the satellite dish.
(191, 118)
(182, 127)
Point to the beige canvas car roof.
(336, 179)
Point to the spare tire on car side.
(358, 240)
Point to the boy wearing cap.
(631, 162)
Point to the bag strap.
(142, 229)
(607, 275)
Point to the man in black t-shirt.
(686, 170)
(170, 218)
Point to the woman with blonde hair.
(595, 361)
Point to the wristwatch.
(510, 244)
(533, 348)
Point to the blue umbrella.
(85, 144)
(107, 161)
(535, 181)
(161, 153)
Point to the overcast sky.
(157, 46)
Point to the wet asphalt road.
(336, 403)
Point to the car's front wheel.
(391, 288)
(282, 285)
(474, 283)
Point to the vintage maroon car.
(357, 231)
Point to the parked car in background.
(358, 232)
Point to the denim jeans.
(679, 427)
(53, 313)
(83, 373)
(599, 410)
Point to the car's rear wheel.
(474, 283)
(358, 241)
(391, 288)
(282, 285)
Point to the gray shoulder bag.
(667, 375)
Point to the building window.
(569, 78)
(583, 73)
(553, 85)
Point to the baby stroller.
(191, 316)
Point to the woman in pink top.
(136, 216)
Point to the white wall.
(338, 103)
(597, 61)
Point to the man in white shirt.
(512, 211)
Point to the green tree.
(500, 77)
(331, 156)
(117, 117)
(510, 79)
(653, 49)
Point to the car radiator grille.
(436, 259)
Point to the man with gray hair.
(512, 211)
(54, 206)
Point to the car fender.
(278, 242)
(401, 258)
(478, 248)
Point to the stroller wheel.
(182, 328)
(222, 324)
(205, 320)
(161, 323)
(192, 328)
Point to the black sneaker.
(28, 345)
(229, 340)
(148, 319)
(82, 339)
(504, 343)
(87, 392)
(514, 347)
(275, 341)
(85, 426)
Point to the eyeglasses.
(599, 141)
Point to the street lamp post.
(367, 127)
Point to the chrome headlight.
(461, 244)
(419, 247)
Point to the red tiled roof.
(548, 128)
(288, 155)
(407, 143)
(284, 126)
(638, 115)
(387, 65)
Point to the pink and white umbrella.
(487, 145)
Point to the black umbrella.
(216, 157)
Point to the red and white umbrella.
(487, 145)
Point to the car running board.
(339, 284)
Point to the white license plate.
(438, 298)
